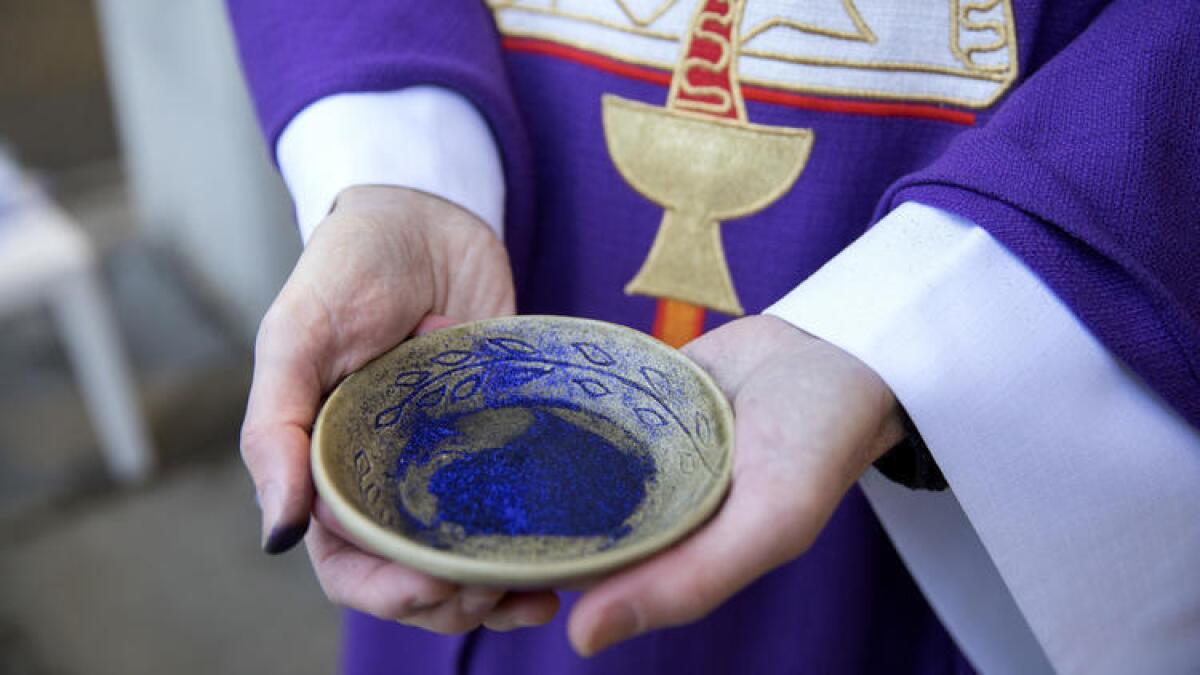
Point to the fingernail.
(513, 621)
(282, 538)
(501, 625)
(419, 606)
(619, 623)
(277, 536)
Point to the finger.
(283, 402)
(354, 578)
(323, 513)
(464, 612)
(461, 611)
(686, 582)
(523, 610)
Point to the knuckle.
(331, 590)
(287, 325)
(693, 597)
(271, 326)
(394, 608)
(386, 610)
(428, 591)
(253, 442)
(295, 327)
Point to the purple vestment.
(1087, 167)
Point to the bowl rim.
(512, 574)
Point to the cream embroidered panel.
(961, 52)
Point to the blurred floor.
(167, 578)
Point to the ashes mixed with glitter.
(553, 479)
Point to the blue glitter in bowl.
(554, 479)
(523, 452)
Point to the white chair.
(45, 257)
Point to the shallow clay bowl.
(524, 452)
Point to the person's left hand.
(809, 420)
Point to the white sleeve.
(427, 138)
(1071, 534)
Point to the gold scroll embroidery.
(961, 21)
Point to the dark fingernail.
(283, 537)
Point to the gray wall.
(54, 106)
(200, 175)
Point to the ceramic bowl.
(524, 452)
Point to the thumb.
(686, 582)
(283, 401)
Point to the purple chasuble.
(1077, 148)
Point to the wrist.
(380, 201)
(440, 246)
(890, 428)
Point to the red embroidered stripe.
(749, 92)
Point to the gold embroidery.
(701, 170)
(728, 102)
(700, 158)
(662, 9)
(891, 96)
(960, 20)
(703, 163)
(873, 65)
(1002, 75)
(510, 5)
(863, 32)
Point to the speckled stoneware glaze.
(524, 452)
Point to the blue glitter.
(554, 479)
(546, 403)
(427, 434)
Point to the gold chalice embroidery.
(702, 161)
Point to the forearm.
(1040, 432)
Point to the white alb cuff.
(426, 138)
(1070, 536)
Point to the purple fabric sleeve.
(1090, 173)
(294, 53)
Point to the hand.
(809, 419)
(384, 260)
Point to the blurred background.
(142, 234)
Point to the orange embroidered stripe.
(750, 93)
(677, 323)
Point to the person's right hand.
(384, 260)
